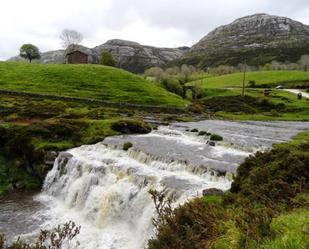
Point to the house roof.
(75, 52)
(77, 48)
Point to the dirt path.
(296, 91)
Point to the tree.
(185, 72)
(304, 62)
(69, 37)
(29, 52)
(107, 59)
(156, 72)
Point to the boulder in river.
(212, 143)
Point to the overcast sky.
(165, 23)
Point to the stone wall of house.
(77, 57)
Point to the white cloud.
(153, 22)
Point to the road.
(296, 91)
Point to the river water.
(105, 189)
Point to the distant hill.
(136, 58)
(85, 81)
(128, 55)
(258, 39)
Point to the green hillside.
(222, 94)
(84, 81)
(270, 78)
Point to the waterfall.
(106, 189)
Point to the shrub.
(202, 133)
(128, 126)
(274, 176)
(127, 146)
(196, 108)
(194, 225)
(2, 239)
(251, 83)
(216, 137)
(239, 104)
(107, 59)
(53, 239)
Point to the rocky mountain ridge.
(257, 39)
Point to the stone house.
(77, 54)
(76, 57)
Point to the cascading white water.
(105, 189)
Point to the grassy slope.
(297, 110)
(221, 86)
(84, 81)
(291, 231)
(260, 77)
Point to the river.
(105, 189)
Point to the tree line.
(302, 64)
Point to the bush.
(239, 104)
(107, 59)
(196, 108)
(127, 126)
(277, 175)
(194, 225)
(53, 239)
(216, 137)
(127, 146)
(251, 83)
(202, 133)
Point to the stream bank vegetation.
(48, 239)
(267, 207)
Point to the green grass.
(296, 110)
(260, 77)
(85, 81)
(291, 230)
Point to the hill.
(128, 55)
(84, 81)
(269, 78)
(221, 94)
(258, 39)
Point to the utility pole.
(244, 79)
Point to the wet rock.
(212, 143)
(50, 158)
(213, 191)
